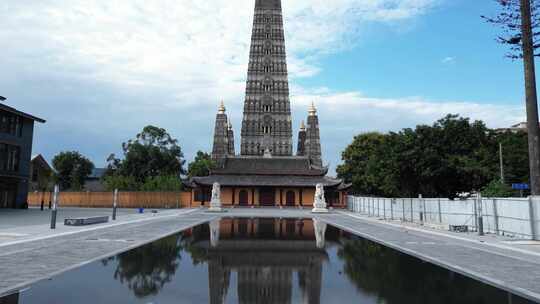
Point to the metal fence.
(515, 217)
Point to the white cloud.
(449, 60)
(354, 111)
(198, 47)
(102, 69)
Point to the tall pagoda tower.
(267, 173)
(267, 125)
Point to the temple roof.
(282, 166)
(267, 180)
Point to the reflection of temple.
(266, 254)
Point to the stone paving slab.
(19, 219)
(26, 263)
(491, 243)
(516, 272)
(36, 225)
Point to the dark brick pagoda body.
(266, 172)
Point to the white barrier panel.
(516, 217)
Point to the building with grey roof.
(16, 136)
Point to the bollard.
(403, 208)
(439, 208)
(496, 216)
(422, 211)
(384, 208)
(533, 217)
(412, 211)
(392, 202)
(480, 217)
(50, 204)
(42, 204)
(54, 207)
(115, 204)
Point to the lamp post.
(501, 163)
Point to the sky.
(99, 71)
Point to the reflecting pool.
(261, 261)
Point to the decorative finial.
(312, 110)
(221, 109)
(302, 126)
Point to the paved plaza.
(38, 253)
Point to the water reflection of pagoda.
(265, 254)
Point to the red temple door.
(267, 196)
(243, 198)
(290, 198)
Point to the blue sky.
(100, 71)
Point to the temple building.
(266, 172)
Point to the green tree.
(520, 24)
(451, 156)
(497, 189)
(122, 183)
(368, 164)
(201, 165)
(152, 153)
(515, 156)
(71, 170)
(162, 183)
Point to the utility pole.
(531, 97)
(501, 162)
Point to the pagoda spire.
(301, 148)
(313, 137)
(221, 109)
(312, 110)
(267, 122)
(221, 147)
(230, 137)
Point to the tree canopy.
(151, 154)
(451, 156)
(71, 170)
(201, 165)
(509, 20)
